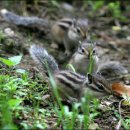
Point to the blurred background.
(22, 103)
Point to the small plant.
(108, 8)
(16, 89)
(70, 66)
(114, 8)
(91, 63)
(126, 122)
(74, 119)
(96, 5)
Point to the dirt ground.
(112, 36)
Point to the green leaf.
(71, 67)
(116, 28)
(14, 103)
(16, 59)
(55, 3)
(10, 127)
(7, 62)
(40, 126)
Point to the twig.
(118, 126)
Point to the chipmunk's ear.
(74, 22)
(90, 78)
(64, 26)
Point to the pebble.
(9, 32)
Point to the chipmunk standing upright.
(81, 61)
(71, 86)
(86, 53)
(70, 32)
(67, 30)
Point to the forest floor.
(113, 37)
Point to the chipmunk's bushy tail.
(112, 69)
(44, 60)
(23, 21)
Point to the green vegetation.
(17, 89)
(73, 119)
(114, 9)
(110, 9)
(26, 100)
(71, 67)
(21, 99)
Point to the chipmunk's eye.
(78, 30)
(99, 73)
(82, 50)
(94, 51)
(100, 86)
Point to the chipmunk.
(86, 52)
(81, 60)
(67, 31)
(112, 70)
(71, 86)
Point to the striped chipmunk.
(66, 30)
(70, 85)
(86, 53)
(110, 70)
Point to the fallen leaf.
(45, 97)
(121, 89)
(93, 126)
(116, 28)
(126, 102)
